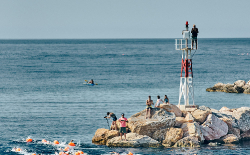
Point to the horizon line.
(108, 38)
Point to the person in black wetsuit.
(110, 114)
(194, 32)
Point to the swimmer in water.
(91, 81)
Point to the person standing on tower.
(194, 32)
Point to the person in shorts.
(110, 114)
(149, 104)
(194, 32)
(122, 129)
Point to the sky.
(100, 19)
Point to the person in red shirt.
(122, 129)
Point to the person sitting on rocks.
(166, 100)
(149, 102)
(158, 102)
(122, 129)
(110, 114)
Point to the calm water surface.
(42, 94)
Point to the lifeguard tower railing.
(182, 44)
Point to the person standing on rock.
(158, 102)
(122, 129)
(149, 104)
(110, 114)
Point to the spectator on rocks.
(122, 129)
(158, 102)
(166, 100)
(149, 104)
(194, 32)
(110, 114)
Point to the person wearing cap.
(122, 129)
(194, 32)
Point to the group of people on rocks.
(123, 120)
(150, 102)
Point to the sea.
(43, 92)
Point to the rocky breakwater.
(239, 86)
(187, 128)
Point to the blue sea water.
(42, 94)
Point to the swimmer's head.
(158, 97)
(108, 113)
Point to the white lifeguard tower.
(186, 79)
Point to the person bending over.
(110, 114)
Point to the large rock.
(230, 138)
(245, 135)
(213, 128)
(179, 121)
(204, 108)
(172, 108)
(247, 91)
(216, 87)
(159, 135)
(187, 110)
(226, 116)
(242, 115)
(248, 83)
(240, 83)
(133, 140)
(239, 86)
(231, 129)
(229, 88)
(239, 89)
(172, 136)
(226, 110)
(161, 119)
(200, 115)
(188, 142)
(102, 135)
(192, 130)
(189, 118)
